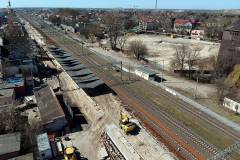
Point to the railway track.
(139, 104)
(111, 81)
(200, 115)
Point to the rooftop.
(234, 26)
(6, 92)
(10, 143)
(181, 21)
(47, 101)
(43, 142)
(146, 70)
(79, 73)
(24, 157)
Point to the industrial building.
(51, 112)
(10, 145)
(229, 53)
(82, 76)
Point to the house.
(197, 34)
(147, 25)
(182, 26)
(44, 147)
(10, 145)
(7, 97)
(12, 67)
(54, 118)
(229, 53)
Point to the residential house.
(148, 25)
(197, 34)
(182, 26)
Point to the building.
(197, 34)
(44, 147)
(7, 97)
(147, 25)
(10, 145)
(145, 73)
(229, 53)
(28, 156)
(13, 67)
(68, 28)
(51, 112)
(182, 26)
(232, 105)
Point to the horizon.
(127, 4)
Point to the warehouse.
(54, 119)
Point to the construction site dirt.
(143, 108)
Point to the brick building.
(229, 53)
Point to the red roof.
(181, 21)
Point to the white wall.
(230, 104)
(142, 74)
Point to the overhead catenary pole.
(121, 72)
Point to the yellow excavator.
(125, 124)
(70, 153)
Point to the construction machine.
(125, 124)
(70, 153)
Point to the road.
(174, 133)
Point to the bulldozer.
(70, 153)
(125, 124)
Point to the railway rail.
(174, 139)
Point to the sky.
(162, 4)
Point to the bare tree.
(180, 56)
(114, 23)
(223, 90)
(92, 38)
(192, 56)
(139, 49)
(122, 41)
(213, 62)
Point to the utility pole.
(129, 72)
(121, 72)
(195, 93)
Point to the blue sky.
(162, 4)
